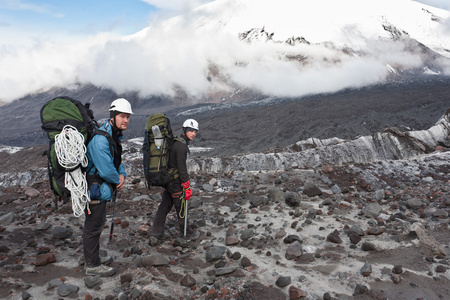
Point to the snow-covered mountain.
(293, 48)
(346, 23)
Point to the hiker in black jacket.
(180, 187)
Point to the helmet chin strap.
(113, 122)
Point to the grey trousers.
(164, 208)
(93, 227)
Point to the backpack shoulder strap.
(114, 147)
(108, 137)
(180, 139)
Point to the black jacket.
(177, 160)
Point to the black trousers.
(164, 208)
(93, 227)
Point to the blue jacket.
(101, 160)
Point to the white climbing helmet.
(190, 123)
(121, 105)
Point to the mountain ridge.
(263, 123)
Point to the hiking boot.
(162, 237)
(102, 271)
(106, 260)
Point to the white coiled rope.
(71, 152)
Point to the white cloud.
(159, 60)
(162, 60)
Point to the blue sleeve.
(100, 154)
(122, 170)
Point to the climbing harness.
(183, 212)
(181, 201)
(71, 153)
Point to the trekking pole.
(114, 215)
(185, 216)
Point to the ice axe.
(114, 215)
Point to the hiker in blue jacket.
(105, 175)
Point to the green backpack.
(158, 140)
(55, 114)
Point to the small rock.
(208, 187)
(361, 289)
(236, 255)
(296, 293)
(25, 295)
(224, 271)
(231, 240)
(61, 233)
(247, 234)
(379, 195)
(283, 281)
(215, 253)
(335, 189)
(294, 250)
(334, 237)
(42, 226)
(280, 234)
(366, 270)
(372, 210)
(292, 199)
(397, 269)
(44, 259)
(414, 203)
(7, 219)
(32, 193)
(354, 238)
(427, 241)
(151, 260)
(440, 269)
(55, 283)
(276, 195)
(396, 278)
(66, 290)
(144, 229)
(127, 277)
(368, 246)
(245, 262)
(427, 179)
(291, 238)
(4, 249)
(188, 281)
(92, 281)
(311, 190)
(440, 213)
(135, 294)
(375, 230)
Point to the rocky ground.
(376, 230)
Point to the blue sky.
(29, 22)
(33, 21)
